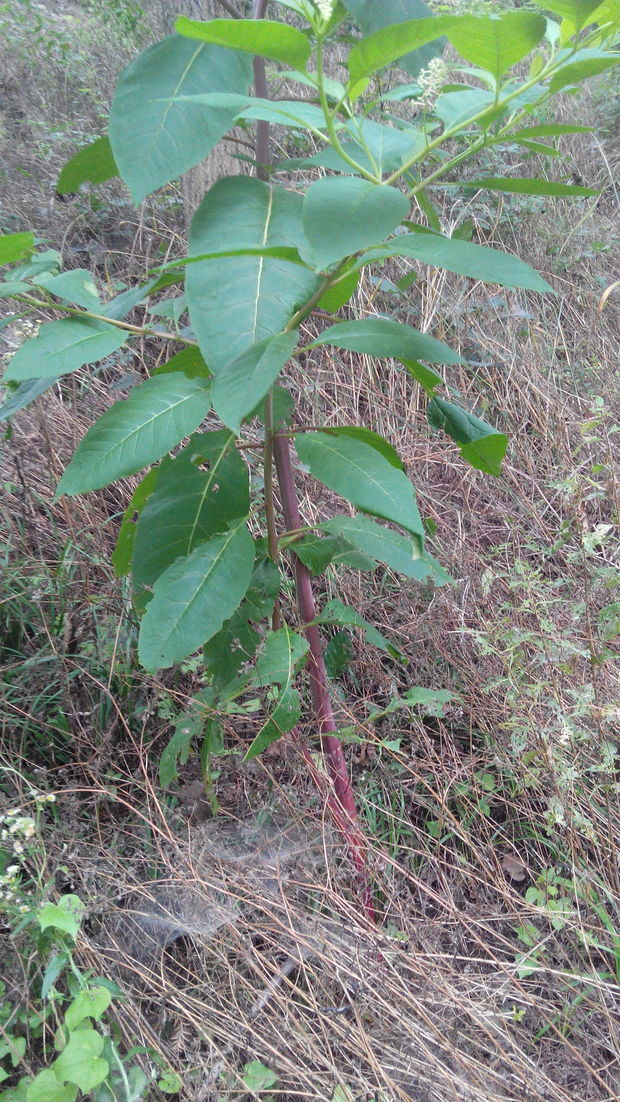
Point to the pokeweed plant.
(266, 251)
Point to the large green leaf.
(235, 302)
(189, 362)
(372, 16)
(359, 473)
(23, 395)
(395, 550)
(578, 12)
(155, 138)
(588, 63)
(464, 258)
(253, 36)
(383, 337)
(237, 641)
(188, 505)
(480, 444)
(374, 439)
(13, 246)
(76, 286)
(193, 597)
(242, 384)
(342, 215)
(123, 551)
(92, 164)
(395, 41)
(335, 612)
(319, 552)
(45, 1087)
(522, 185)
(401, 553)
(137, 431)
(64, 346)
(81, 1062)
(385, 149)
(284, 651)
(497, 42)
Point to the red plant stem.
(343, 805)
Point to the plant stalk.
(277, 448)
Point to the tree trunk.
(221, 161)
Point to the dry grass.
(494, 972)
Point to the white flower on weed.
(432, 79)
(11, 870)
(23, 909)
(17, 847)
(325, 8)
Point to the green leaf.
(57, 964)
(278, 664)
(14, 246)
(362, 475)
(578, 12)
(589, 63)
(92, 164)
(335, 612)
(173, 136)
(482, 446)
(237, 641)
(187, 728)
(456, 109)
(90, 1002)
(338, 654)
(547, 131)
(15, 1047)
(247, 380)
(235, 302)
(170, 1083)
(193, 597)
(49, 260)
(372, 16)
(81, 1062)
(342, 215)
(292, 113)
(189, 362)
(462, 257)
(13, 288)
(284, 650)
(497, 42)
(394, 41)
(123, 551)
(253, 36)
(318, 552)
(46, 1087)
(188, 506)
(339, 293)
(65, 915)
(23, 395)
(383, 337)
(522, 185)
(374, 439)
(74, 286)
(137, 431)
(257, 1077)
(401, 553)
(64, 346)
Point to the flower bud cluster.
(325, 8)
(432, 79)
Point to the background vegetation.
(496, 970)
